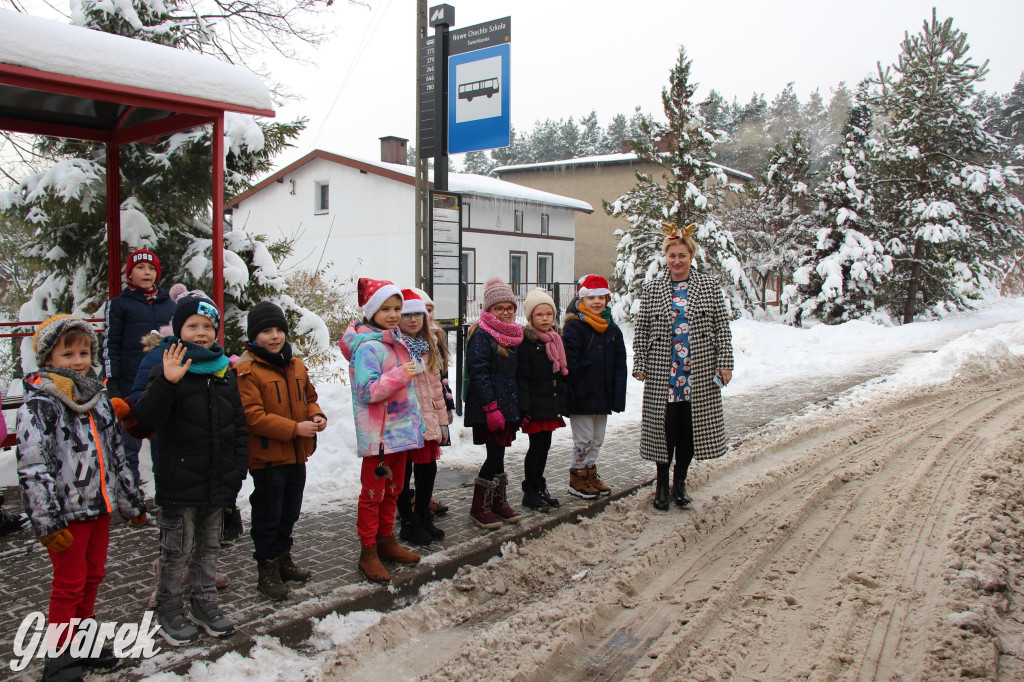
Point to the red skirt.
(484, 436)
(542, 425)
(429, 453)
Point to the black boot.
(427, 524)
(532, 499)
(414, 532)
(542, 491)
(661, 487)
(679, 489)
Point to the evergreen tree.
(591, 135)
(783, 117)
(817, 134)
(614, 135)
(166, 191)
(688, 191)
(478, 162)
(945, 195)
(746, 152)
(772, 240)
(838, 278)
(515, 153)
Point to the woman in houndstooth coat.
(681, 342)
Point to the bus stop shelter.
(72, 82)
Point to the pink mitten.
(495, 419)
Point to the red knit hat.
(412, 302)
(594, 285)
(373, 293)
(141, 256)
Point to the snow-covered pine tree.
(772, 238)
(839, 276)
(166, 193)
(945, 195)
(687, 191)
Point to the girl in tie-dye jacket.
(387, 419)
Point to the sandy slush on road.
(877, 542)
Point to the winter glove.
(113, 390)
(140, 520)
(57, 541)
(525, 422)
(451, 416)
(495, 419)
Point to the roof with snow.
(465, 183)
(603, 159)
(83, 81)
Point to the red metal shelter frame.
(141, 115)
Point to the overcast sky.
(569, 57)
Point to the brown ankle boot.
(371, 567)
(579, 485)
(595, 481)
(388, 549)
(483, 500)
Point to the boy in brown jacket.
(283, 419)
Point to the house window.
(518, 227)
(466, 213)
(468, 266)
(322, 197)
(544, 223)
(545, 269)
(517, 271)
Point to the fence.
(561, 292)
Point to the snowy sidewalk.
(326, 543)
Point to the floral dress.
(679, 376)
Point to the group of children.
(210, 425)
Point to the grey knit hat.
(49, 332)
(497, 291)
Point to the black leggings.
(424, 475)
(495, 462)
(679, 435)
(537, 456)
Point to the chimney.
(393, 150)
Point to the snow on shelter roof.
(623, 158)
(80, 53)
(465, 183)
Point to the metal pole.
(218, 221)
(113, 220)
(419, 276)
(441, 121)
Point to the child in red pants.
(388, 421)
(73, 473)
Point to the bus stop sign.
(478, 87)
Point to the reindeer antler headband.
(672, 230)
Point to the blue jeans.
(188, 531)
(276, 501)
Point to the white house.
(355, 218)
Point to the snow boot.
(11, 523)
(175, 628)
(661, 487)
(427, 524)
(500, 506)
(580, 486)
(232, 529)
(532, 499)
(679, 495)
(388, 549)
(63, 668)
(208, 616)
(289, 571)
(413, 530)
(595, 481)
(438, 508)
(542, 491)
(371, 567)
(268, 579)
(483, 499)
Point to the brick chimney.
(393, 150)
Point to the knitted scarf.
(508, 334)
(150, 293)
(80, 392)
(204, 360)
(276, 359)
(598, 322)
(417, 347)
(555, 349)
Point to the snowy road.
(875, 542)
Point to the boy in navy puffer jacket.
(141, 308)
